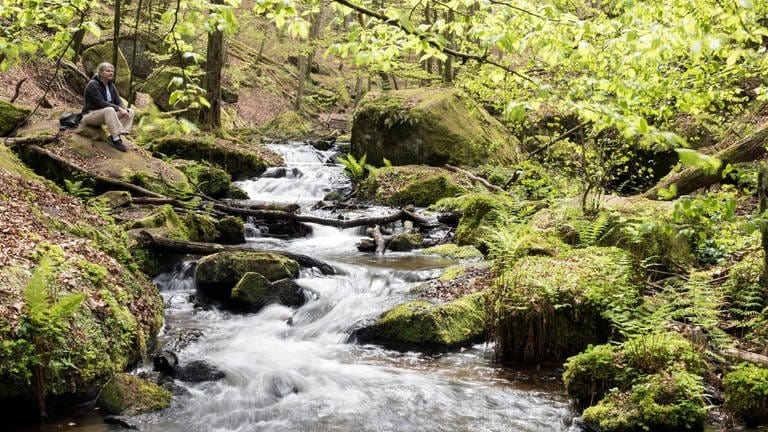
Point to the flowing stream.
(296, 370)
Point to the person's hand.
(122, 112)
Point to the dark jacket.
(96, 95)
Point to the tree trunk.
(689, 180)
(116, 38)
(147, 240)
(213, 66)
(762, 192)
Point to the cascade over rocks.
(428, 127)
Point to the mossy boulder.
(162, 221)
(11, 116)
(158, 86)
(746, 394)
(115, 199)
(591, 373)
(230, 230)
(255, 291)
(422, 324)
(102, 52)
(431, 126)
(552, 307)
(452, 250)
(217, 274)
(406, 242)
(201, 228)
(413, 185)
(130, 395)
(208, 179)
(658, 402)
(239, 160)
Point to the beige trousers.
(109, 117)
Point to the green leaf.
(692, 158)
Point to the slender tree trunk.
(116, 37)
(213, 66)
(131, 93)
(762, 182)
(448, 64)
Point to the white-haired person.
(104, 106)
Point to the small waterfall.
(294, 370)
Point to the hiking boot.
(118, 143)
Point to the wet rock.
(254, 291)
(166, 362)
(199, 371)
(128, 394)
(121, 421)
(406, 242)
(217, 274)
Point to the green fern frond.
(593, 233)
(35, 293)
(66, 306)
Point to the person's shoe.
(118, 143)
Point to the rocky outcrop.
(428, 127)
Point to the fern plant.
(77, 189)
(355, 168)
(44, 324)
(595, 233)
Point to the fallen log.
(689, 180)
(149, 241)
(23, 141)
(735, 354)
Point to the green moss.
(130, 395)
(591, 373)
(406, 242)
(230, 230)
(252, 290)
(421, 323)
(425, 192)
(164, 218)
(217, 274)
(452, 250)
(288, 125)
(553, 307)
(746, 394)
(668, 402)
(238, 161)
(482, 215)
(209, 179)
(11, 116)
(201, 228)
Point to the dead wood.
(735, 354)
(689, 180)
(149, 241)
(23, 141)
(473, 177)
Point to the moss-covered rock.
(208, 179)
(254, 291)
(158, 86)
(217, 274)
(103, 53)
(162, 221)
(413, 185)
(115, 199)
(659, 402)
(428, 127)
(406, 242)
(239, 160)
(130, 395)
(452, 250)
(421, 323)
(553, 307)
(11, 116)
(591, 373)
(230, 230)
(746, 394)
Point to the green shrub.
(746, 394)
(591, 373)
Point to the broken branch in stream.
(147, 240)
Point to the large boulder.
(428, 127)
(158, 85)
(417, 185)
(216, 275)
(103, 53)
(423, 324)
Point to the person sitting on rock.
(104, 106)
